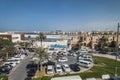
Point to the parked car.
(66, 68)
(58, 68)
(4, 71)
(28, 78)
(9, 67)
(84, 63)
(63, 59)
(13, 64)
(13, 61)
(50, 69)
(115, 78)
(50, 63)
(31, 72)
(31, 65)
(75, 67)
(16, 58)
(1, 59)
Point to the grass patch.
(3, 77)
(102, 66)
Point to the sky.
(65, 15)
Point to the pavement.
(19, 71)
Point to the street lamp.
(117, 45)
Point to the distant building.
(12, 37)
(88, 39)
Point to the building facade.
(12, 37)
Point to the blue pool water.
(47, 40)
(58, 46)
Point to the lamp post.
(117, 45)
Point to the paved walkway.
(106, 55)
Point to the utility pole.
(117, 47)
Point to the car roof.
(58, 65)
(49, 67)
(65, 64)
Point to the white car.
(58, 68)
(16, 58)
(66, 68)
(11, 63)
(50, 69)
(22, 56)
(63, 59)
(14, 61)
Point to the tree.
(31, 43)
(90, 44)
(102, 42)
(80, 42)
(7, 47)
(29, 37)
(112, 44)
(24, 44)
(43, 55)
(41, 37)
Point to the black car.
(4, 71)
(114, 78)
(28, 78)
(75, 67)
(31, 72)
(31, 65)
(7, 66)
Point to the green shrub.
(46, 78)
(4, 77)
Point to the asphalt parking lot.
(71, 60)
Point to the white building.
(68, 78)
(48, 44)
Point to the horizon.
(65, 15)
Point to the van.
(84, 63)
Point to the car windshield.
(58, 67)
(63, 59)
(66, 67)
(49, 70)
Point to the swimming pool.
(58, 46)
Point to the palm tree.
(80, 41)
(41, 37)
(7, 47)
(43, 55)
(24, 44)
(102, 42)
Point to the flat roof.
(77, 77)
(90, 79)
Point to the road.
(19, 72)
